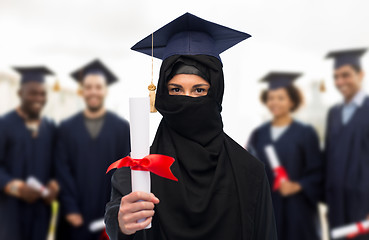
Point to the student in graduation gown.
(347, 144)
(222, 191)
(88, 143)
(26, 150)
(297, 147)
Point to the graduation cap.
(190, 35)
(351, 57)
(94, 67)
(280, 79)
(33, 74)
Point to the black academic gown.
(82, 163)
(22, 156)
(347, 167)
(299, 153)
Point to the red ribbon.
(155, 163)
(104, 236)
(360, 230)
(280, 175)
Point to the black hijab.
(205, 203)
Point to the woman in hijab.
(222, 191)
(297, 148)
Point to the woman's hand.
(289, 188)
(133, 207)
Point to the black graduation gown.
(22, 156)
(298, 151)
(347, 166)
(82, 163)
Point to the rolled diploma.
(37, 185)
(272, 156)
(349, 229)
(139, 109)
(97, 225)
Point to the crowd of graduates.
(70, 160)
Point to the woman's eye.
(176, 90)
(200, 90)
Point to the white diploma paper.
(272, 156)
(37, 185)
(344, 231)
(139, 109)
(97, 225)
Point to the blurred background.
(286, 35)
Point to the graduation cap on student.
(351, 57)
(280, 79)
(190, 35)
(33, 74)
(94, 67)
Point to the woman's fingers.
(134, 227)
(133, 207)
(136, 196)
(134, 217)
(140, 205)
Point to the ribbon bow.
(360, 230)
(280, 175)
(155, 163)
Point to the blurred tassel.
(56, 87)
(79, 90)
(53, 221)
(322, 86)
(152, 95)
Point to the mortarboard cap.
(190, 35)
(280, 79)
(351, 57)
(33, 74)
(94, 67)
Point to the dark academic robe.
(347, 166)
(22, 156)
(82, 163)
(299, 153)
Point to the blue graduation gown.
(82, 163)
(347, 166)
(299, 152)
(22, 156)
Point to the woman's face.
(278, 102)
(189, 85)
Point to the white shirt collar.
(358, 99)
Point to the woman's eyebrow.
(174, 85)
(201, 85)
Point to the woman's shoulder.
(246, 161)
(303, 127)
(261, 129)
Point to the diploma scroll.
(140, 161)
(351, 230)
(34, 183)
(280, 174)
(139, 110)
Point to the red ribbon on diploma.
(360, 230)
(280, 175)
(155, 163)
